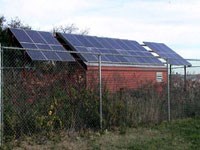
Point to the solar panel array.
(167, 53)
(110, 48)
(41, 45)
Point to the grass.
(176, 135)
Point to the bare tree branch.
(71, 28)
(17, 23)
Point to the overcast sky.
(173, 22)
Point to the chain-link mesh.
(47, 96)
(185, 89)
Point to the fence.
(185, 92)
(39, 97)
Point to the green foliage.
(179, 134)
(48, 98)
(189, 129)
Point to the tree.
(71, 28)
(17, 23)
(3, 36)
(2, 20)
(11, 57)
(14, 23)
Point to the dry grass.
(177, 135)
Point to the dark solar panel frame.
(167, 53)
(41, 45)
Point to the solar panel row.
(41, 45)
(167, 53)
(111, 49)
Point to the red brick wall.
(116, 78)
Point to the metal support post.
(100, 92)
(170, 77)
(1, 96)
(185, 74)
(168, 92)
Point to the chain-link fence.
(185, 90)
(41, 97)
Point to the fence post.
(100, 92)
(185, 74)
(168, 92)
(1, 96)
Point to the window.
(159, 76)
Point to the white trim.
(124, 65)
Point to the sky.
(173, 22)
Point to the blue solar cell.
(121, 59)
(105, 43)
(113, 51)
(29, 45)
(132, 60)
(48, 37)
(153, 61)
(122, 44)
(21, 35)
(129, 45)
(94, 41)
(172, 61)
(105, 51)
(139, 54)
(164, 48)
(65, 56)
(124, 53)
(118, 44)
(113, 43)
(50, 54)
(133, 45)
(113, 58)
(72, 39)
(140, 59)
(82, 49)
(44, 44)
(167, 53)
(35, 36)
(57, 47)
(147, 54)
(84, 41)
(103, 57)
(90, 57)
(86, 54)
(34, 54)
(132, 53)
(137, 46)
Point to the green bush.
(47, 99)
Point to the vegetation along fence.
(45, 97)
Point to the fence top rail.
(193, 59)
(91, 53)
(76, 52)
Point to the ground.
(179, 134)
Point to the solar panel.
(124, 51)
(41, 45)
(167, 53)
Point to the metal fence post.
(168, 92)
(100, 92)
(1, 95)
